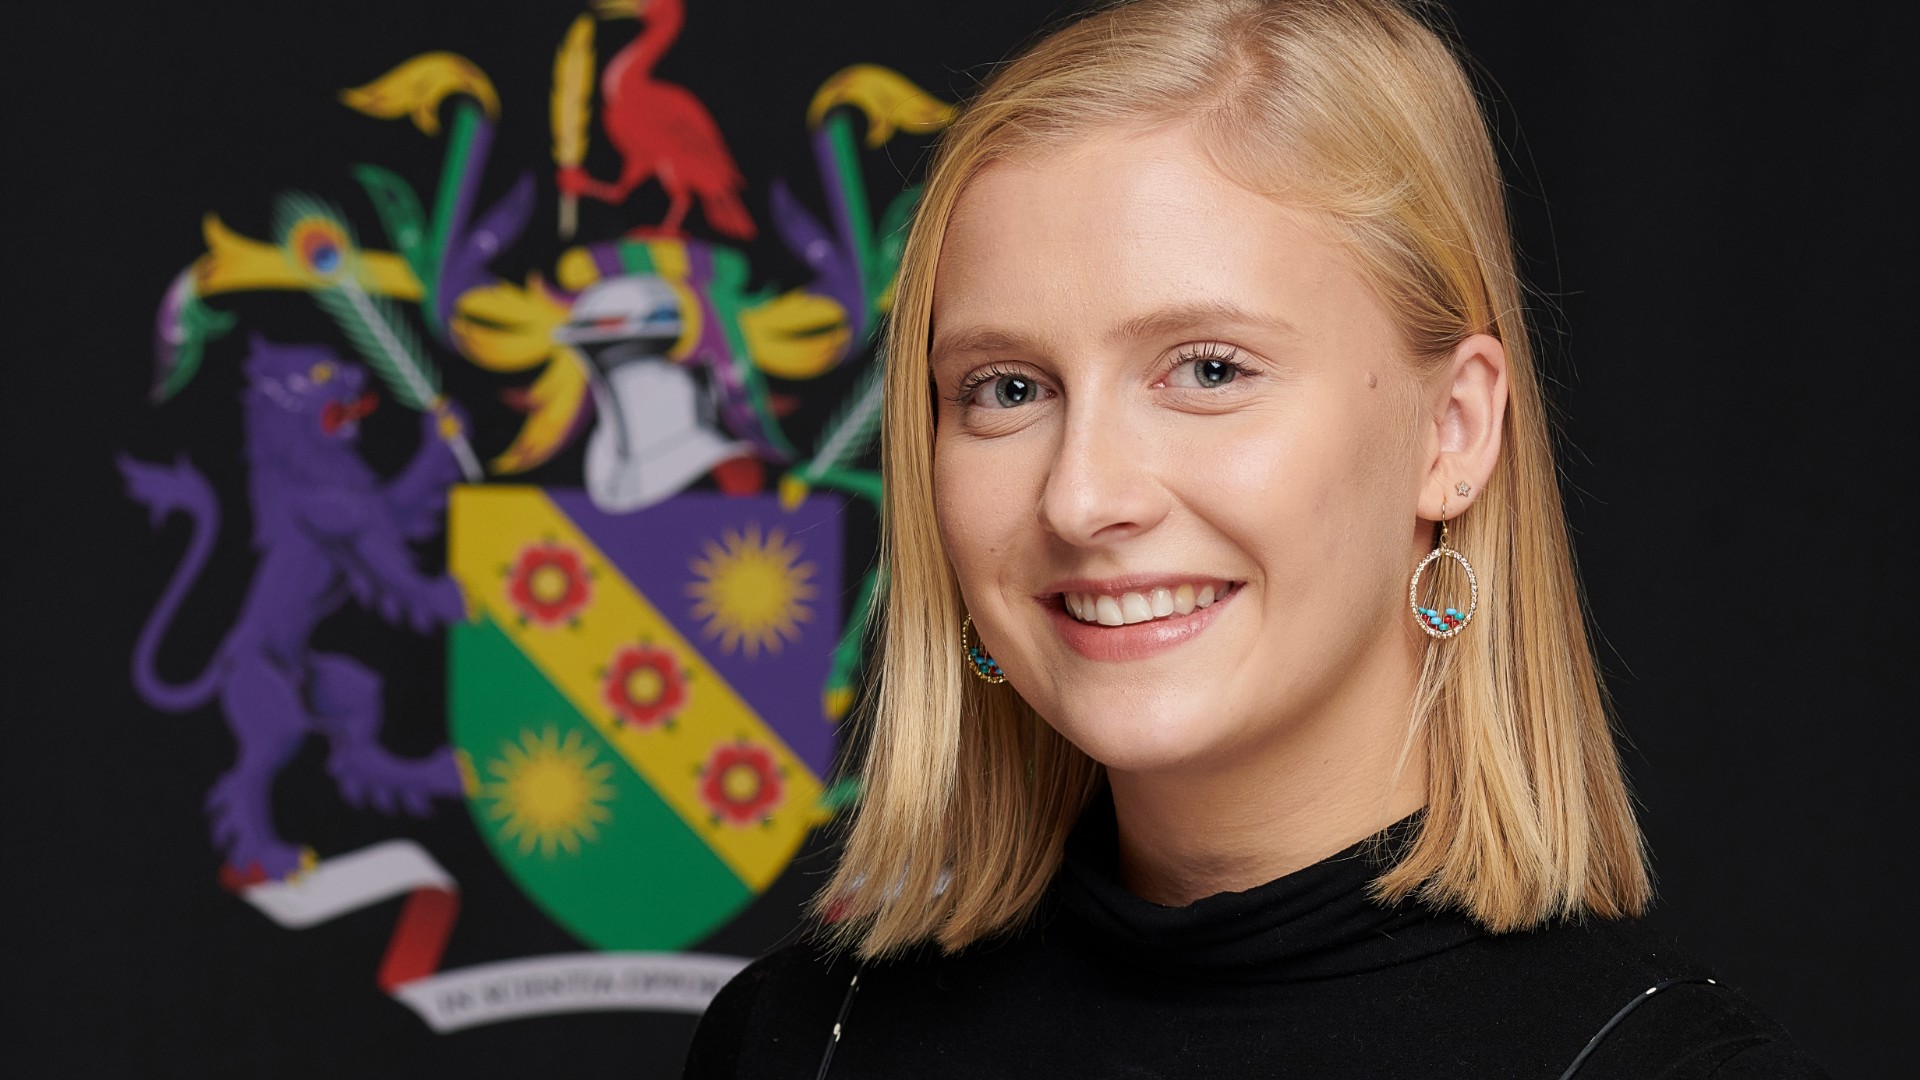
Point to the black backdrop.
(1722, 238)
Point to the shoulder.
(1611, 952)
(1695, 1030)
(1574, 973)
(1620, 997)
(1652, 1009)
(772, 1019)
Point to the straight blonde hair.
(1356, 109)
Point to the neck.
(1317, 785)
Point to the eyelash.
(1210, 351)
(1213, 350)
(980, 378)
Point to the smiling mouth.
(1150, 605)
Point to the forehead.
(1106, 236)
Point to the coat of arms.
(647, 650)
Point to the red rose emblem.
(645, 686)
(741, 784)
(549, 585)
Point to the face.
(1174, 468)
(312, 384)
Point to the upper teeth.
(1137, 607)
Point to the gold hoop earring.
(984, 667)
(1443, 622)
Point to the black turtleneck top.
(1301, 977)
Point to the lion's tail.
(164, 489)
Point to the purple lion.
(327, 529)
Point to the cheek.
(973, 508)
(1266, 479)
(1317, 500)
(1364, 504)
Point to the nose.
(1104, 481)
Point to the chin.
(1133, 734)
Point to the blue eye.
(1213, 372)
(1209, 370)
(1012, 390)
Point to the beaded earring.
(984, 667)
(1443, 622)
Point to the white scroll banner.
(492, 992)
(348, 883)
(568, 983)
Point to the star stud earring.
(1463, 488)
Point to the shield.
(635, 699)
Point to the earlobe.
(1471, 411)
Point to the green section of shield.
(645, 880)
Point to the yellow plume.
(889, 99)
(552, 402)
(619, 9)
(573, 92)
(796, 335)
(507, 327)
(416, 88)
(236, 263)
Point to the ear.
(1468, 405)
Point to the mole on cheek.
(1372, 380)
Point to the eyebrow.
(1166, 322)
(977, 339)
(1198, 316)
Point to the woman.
(1234, 712)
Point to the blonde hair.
(1356, 109)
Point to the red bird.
(661, 130)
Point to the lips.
(335, 415)
(1135, 640)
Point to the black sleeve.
(1769, 1061)
(772, 1020)
(1699, 1031)
(715, 1052)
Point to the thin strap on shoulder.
(833, 1041)
(1587, 1051)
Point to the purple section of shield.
(656, 549)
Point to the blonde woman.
(1234, 712)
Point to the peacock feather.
(850, 432)
(320, 242)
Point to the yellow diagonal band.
(490, 526)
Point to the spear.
(315, 235)
(571, 106)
